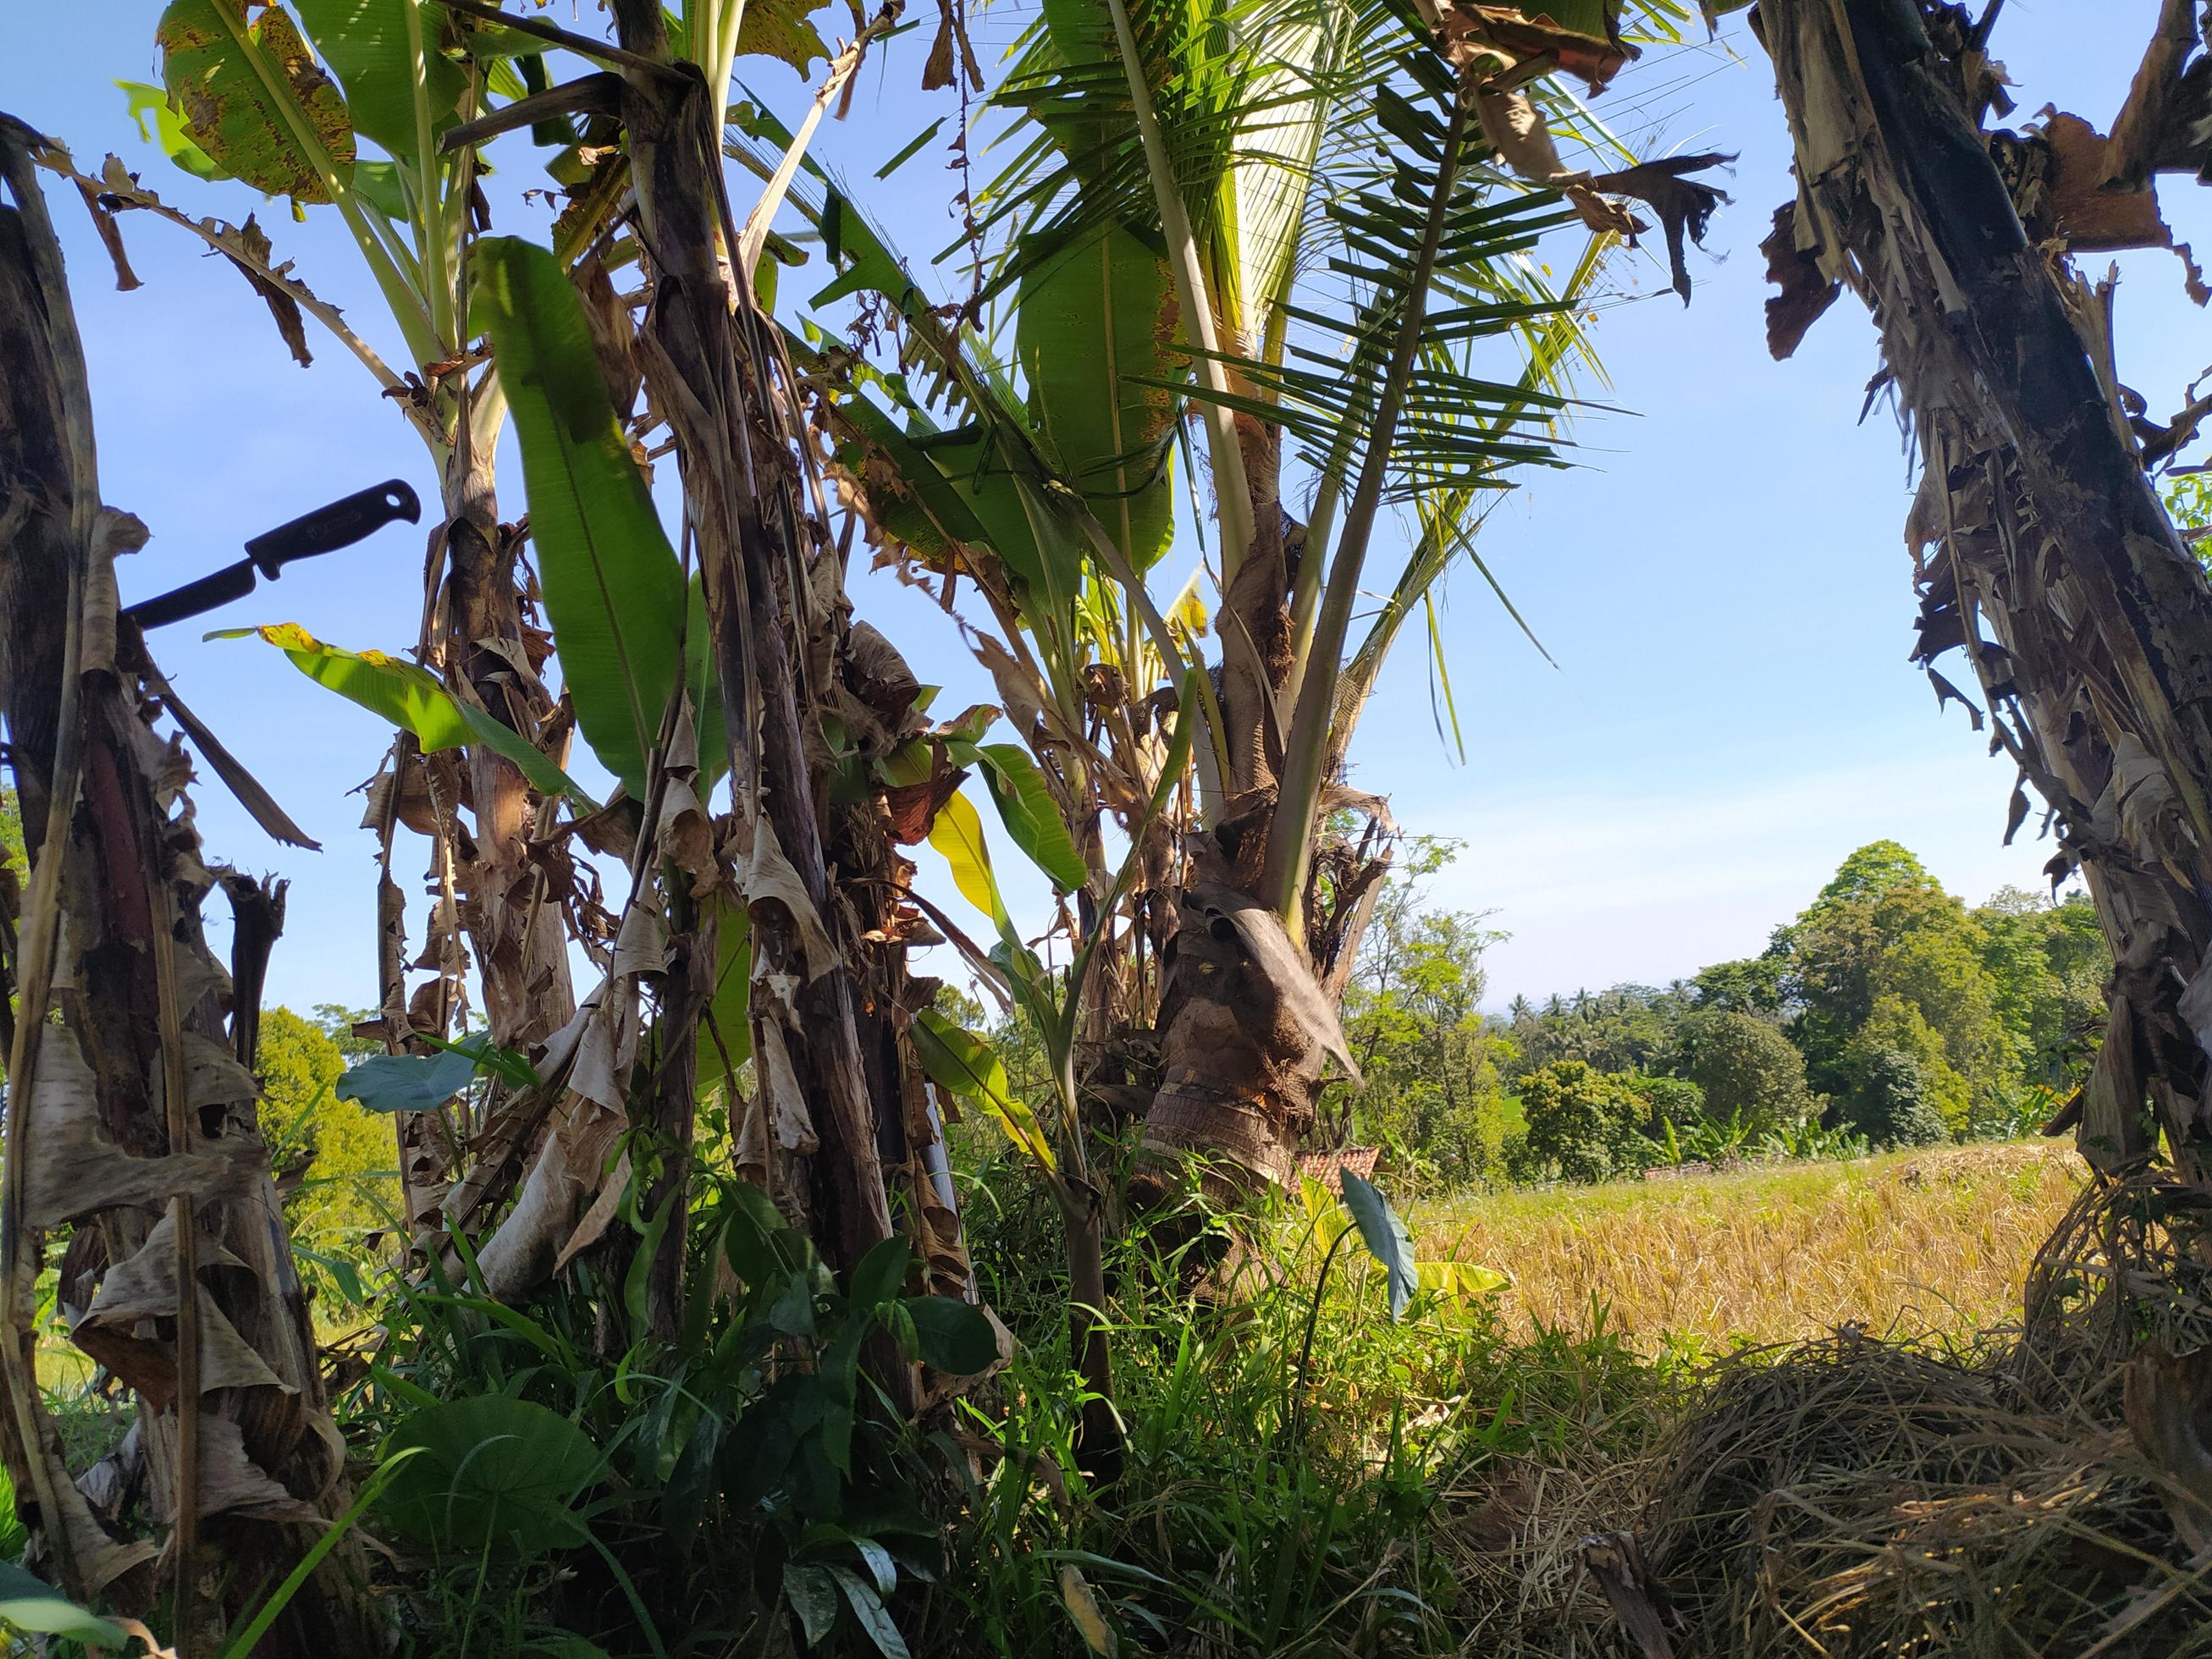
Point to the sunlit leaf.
(1385, 1237)
(1027, 808)
(957, 834)
(970, 1068)
(253, 100)
(614, 590)
(410, 698)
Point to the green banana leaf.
(613, 589)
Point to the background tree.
(1747, 1069)
(1412, 1018)
(1581, 1125)
(334, 1157)
(1889, 1102)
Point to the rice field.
(1933, 1242)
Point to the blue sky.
(1722, 580)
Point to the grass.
(1930, 1243)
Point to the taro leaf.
(492, 1469)
(213, 62)
(613, 587)
(1025, 805)
(813, 1596)
(365, 43)
(874, 1617)
(408, 1083)
(29, 1604)
(1385, 1237)
(422, 1082)
(168, 129)
(411, 698)
(780, 29)
(968, 1065)
(881, 1271)
(952, 1335)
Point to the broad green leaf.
(492, 1470)
(167, 131)
(875, 1618)
(957, 834)
(1027, 808)
(881, 1271)
(780, 29)
(422, 1082)
(1385, 1237)
(28, 1604)
(365, 43)
(1092, 328)
(952, 1335)
(613, 587)
(411, 697)
(727, 1042)
(813, 1596)
(965, 1064)
(408, 1083)
(242, 86)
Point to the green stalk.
(1290, 839)
(1232, 492)
(430, 246)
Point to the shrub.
(1583, 1125)
(1889, 1103)
(1749, 1070)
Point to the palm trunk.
(2099, 673)
(130, 1118)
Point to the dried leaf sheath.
(2097, 664)
(112, 939)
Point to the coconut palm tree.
(1309, 225)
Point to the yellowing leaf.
(251, 93)
(968, 1065)
(958, 835)
(1462, 1281)
(411, 698)
(1083, 1607)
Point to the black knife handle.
(339, 525)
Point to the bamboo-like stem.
(1289, 838)
(1233, 492)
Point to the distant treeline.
(1888, 1013)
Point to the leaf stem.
(1290, 839)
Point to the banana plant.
(376, 110)
(351, 107)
